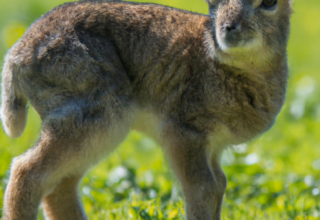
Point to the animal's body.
(90, 68)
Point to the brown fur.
(90, 69)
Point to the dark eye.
(268, 3)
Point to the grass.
(275, 176)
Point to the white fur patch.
(220, 40)
(209, 44)
(242, 45)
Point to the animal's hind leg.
(37, 173)
(61, 152)
(63, 202)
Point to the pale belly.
(151, 125)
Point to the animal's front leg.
(202, 180)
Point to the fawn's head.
(250, 30)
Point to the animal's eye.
(268, 3)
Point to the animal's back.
(86, 51)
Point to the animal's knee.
(220, 181)
(214, 187)
(23, 169)
(28, 175)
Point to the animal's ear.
(291, 2)
(290, 5)
(212, 3)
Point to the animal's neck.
(271, 74)
(263, 68)
(261, 60)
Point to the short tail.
(13, 102)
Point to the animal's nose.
(231, 27)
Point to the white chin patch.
(244, 45)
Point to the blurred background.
(275, 176)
